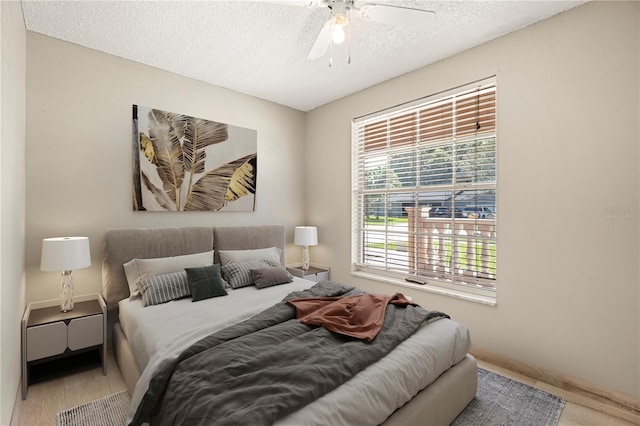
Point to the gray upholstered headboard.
(122, 245)
(248, 237)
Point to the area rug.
(499, 401)
(108, 411)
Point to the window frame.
(444, 284)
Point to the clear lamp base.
(305, 258)
(66, 292)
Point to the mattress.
(159, 333)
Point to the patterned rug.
(108, 411)
(499, 401)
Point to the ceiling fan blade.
(396, 15)
(321, 44)
(304, 3)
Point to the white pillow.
(138, 269)
(229, 256)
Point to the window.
(424, 190)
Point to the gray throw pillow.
(159, 289)
(267, 277)
(238, 274)
(205, 282)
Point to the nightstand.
(315, 273)
(56, 342)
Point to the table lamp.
(305, 236)
(65, 254)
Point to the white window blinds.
(424, 189)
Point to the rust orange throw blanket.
(360, 316)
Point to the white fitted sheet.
(160, 333)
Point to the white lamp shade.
(305, 236)
(65, 254)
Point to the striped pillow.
(238, 274)
(159, 289)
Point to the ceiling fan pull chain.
(349, 36)
(331, 47)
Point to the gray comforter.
(268, 366)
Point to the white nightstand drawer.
(85, 332)
(46, 340)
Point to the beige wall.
(12, 201)
(79, 157)
(568, 148)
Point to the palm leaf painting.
(184, 163)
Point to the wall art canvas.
(184, 163)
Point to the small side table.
(49, 334)
(315, 273)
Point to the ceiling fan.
(341, 12)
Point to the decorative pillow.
(159, 289)
(238, 274)
(205, 282)
(228, 256)
(267, 277)
(137, 269)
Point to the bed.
(427, 379)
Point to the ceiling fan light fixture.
(338, 34)
(339, 19)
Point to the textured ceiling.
(260, 47)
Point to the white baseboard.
(17, 405)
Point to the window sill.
(458, 294)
